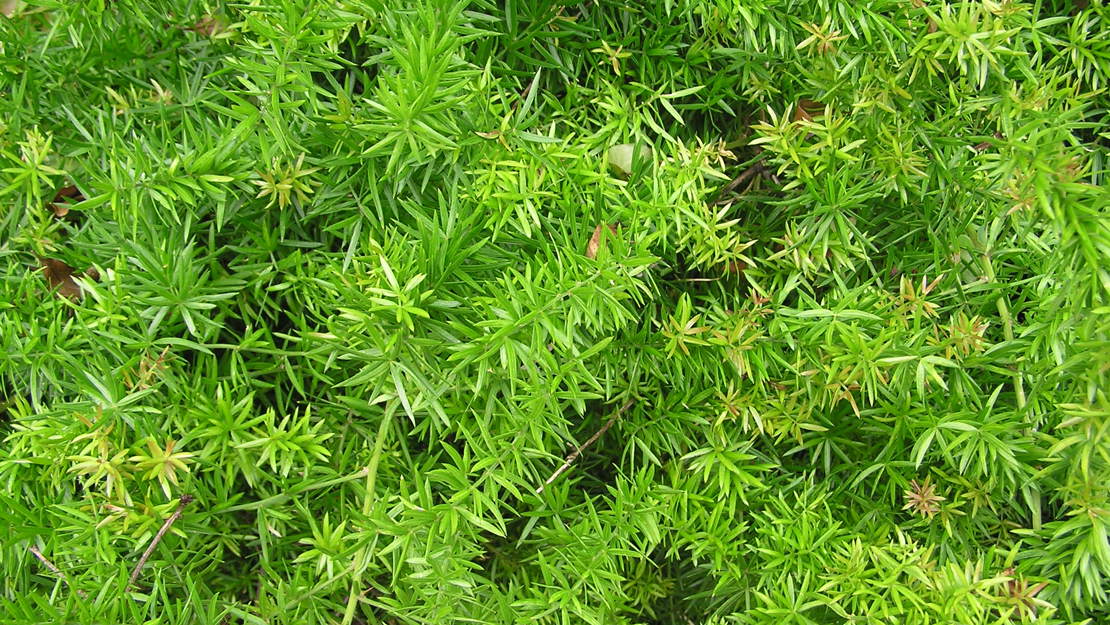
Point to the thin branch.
(755, 168)
(577, 452)
(185, 500)
(55, 570)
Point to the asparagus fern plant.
(447, 311)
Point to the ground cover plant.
(432, 311)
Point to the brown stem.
(185, 500)
(574, 455)
(755, 168)
(55, 570)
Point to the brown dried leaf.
(60, 276)
(736, 267)
(595, 241)
(69, 191)
(807, 109)
(208, 26)
(60, 206)
(979, 147)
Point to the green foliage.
(349, 319)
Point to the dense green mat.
(522, 311)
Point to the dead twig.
(577, 452)
(185, 500)
(756, 168)
(55, 570)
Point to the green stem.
(1008, 332)
(367, 502)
